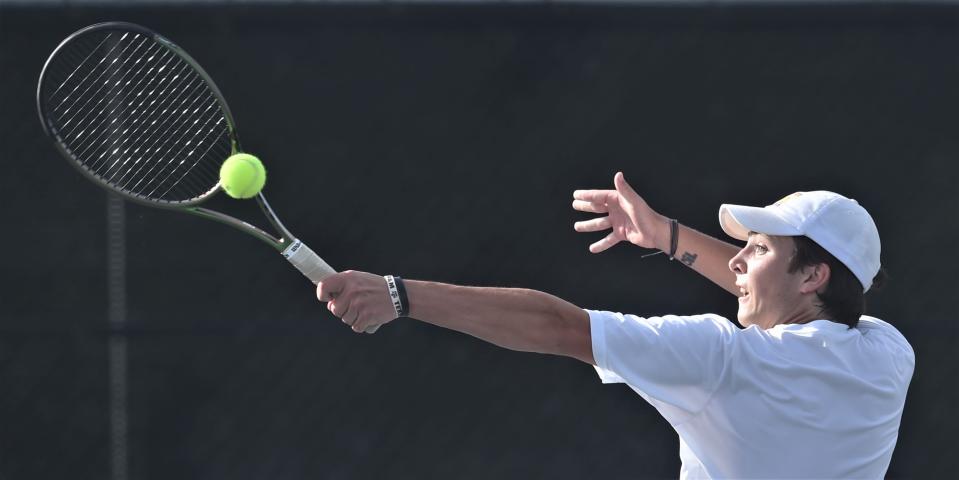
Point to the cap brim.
(738, 220)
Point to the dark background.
(444, 143)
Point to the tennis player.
(808, 388)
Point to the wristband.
(404, 300)
(397, 295)
(673, 238)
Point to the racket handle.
(310, 264)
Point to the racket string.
(173, 156)
(123, 103)
(157, 133)
(92, 83)
(83, 81)
(111, 98)
(185, 143)
(80, 63)
(139, 133)
(81, 148)
(112, 117)
(166, 150)
(171, 147)
(185, 174)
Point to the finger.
(604, 244)
(592, 207)
(593, 225)
(622, 186)
(364, 325)
(596, 196)
(339, 307)
(351, 315)
(364, 328)
(330, 287)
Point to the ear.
(814, 278)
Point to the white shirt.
(817, 400)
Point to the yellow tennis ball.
(242, 175)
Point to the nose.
(736, 264)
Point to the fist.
(360, 299)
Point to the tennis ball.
(242, 175)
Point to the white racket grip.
(310, 264)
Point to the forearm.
(517, 319)
(707, 255)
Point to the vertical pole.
(116, 312)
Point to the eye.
(761, 249)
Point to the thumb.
(622, 187)
(330, 287)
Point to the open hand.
(628, 215)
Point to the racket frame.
(280, 243)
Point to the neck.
(802, 315)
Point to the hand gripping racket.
(138, 116)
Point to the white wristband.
(394, 294)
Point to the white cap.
(838, 224)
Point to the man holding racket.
(809, 388)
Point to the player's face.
(769, 294)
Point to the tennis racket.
(139, 117)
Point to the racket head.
(136, 114)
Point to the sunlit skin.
(769, 294)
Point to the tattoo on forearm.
(688, 258)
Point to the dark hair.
(842, 300)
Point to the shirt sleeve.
(674, 362)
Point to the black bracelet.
(673, 237)
(404, 300)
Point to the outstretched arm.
(517, 319)
(631, 219)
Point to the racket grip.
(310, 264)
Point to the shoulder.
(883, 334)
(691, 329)
(671, 360)
(707, 322)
